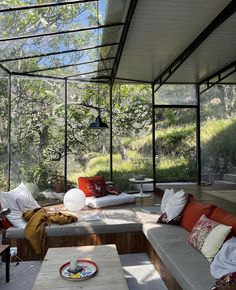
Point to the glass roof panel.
(79, 69)
(46, 20)
(92, 75)
(41, 63)
(61, 18)
(36, 35)
(58, 43)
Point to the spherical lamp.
(74, 199)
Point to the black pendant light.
(98, 124)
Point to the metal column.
(65, 145)
(9, 135)
(198, 135)
(111, 145)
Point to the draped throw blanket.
(37, 219)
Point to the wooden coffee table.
(110, 274)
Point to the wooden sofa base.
(130, 242)
(166, 276)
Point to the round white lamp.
(74, 199)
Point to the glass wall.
(88, 149)
(175, 145)
(37, 137)
(132, 134)
(3, 131)
(175, 133)
(218, 138)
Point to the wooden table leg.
(7, 253)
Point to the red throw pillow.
(6, 223)
(83, 183)
(193, 211)
(97, 188)
(222, 216)
(112, 189)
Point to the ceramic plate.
(87, 270)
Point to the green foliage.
(42, 174)
(217, 139)
(176, 169)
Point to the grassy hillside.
(175, 147)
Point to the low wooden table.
(110, 274)
(5, 250)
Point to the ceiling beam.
(5, 69)
(14, 38)
(129, 16)
(217, 21)
(37, 76)
(69, 65)
(44, 5)
(133, 80)
(58, 52)
(221, 74)
(88, 73)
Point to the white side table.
(140, 182)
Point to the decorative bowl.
(139, 176)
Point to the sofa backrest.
(222, 216)
(193, 211)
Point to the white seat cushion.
(109, 200)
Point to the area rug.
(138, 269)
(229, 195)
(140, 273)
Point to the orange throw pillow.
(193, 211)
(85, 182)
(222, 216)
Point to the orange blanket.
(37, 219)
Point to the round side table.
(140, 182)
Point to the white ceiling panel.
(217, 51)
(160, 30)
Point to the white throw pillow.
(166, 197)
(176, 204)
(18, 200)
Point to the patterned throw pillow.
(207, 236)
(227, 282)
(112, 189)
(97, 188)
(164, 220)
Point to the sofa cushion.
(189, 267)
(221, 216)
(208, 236)
(109, 200)
(193, 211)
(111, 221)
(85, 182)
